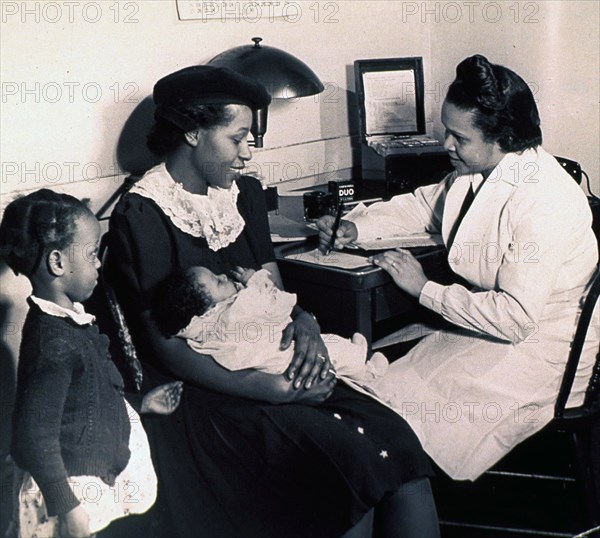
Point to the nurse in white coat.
(527, 252)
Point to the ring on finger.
(321, 357)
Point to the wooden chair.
(129, 355)
(465, 507)
(109, 314)
(573, 168)
(110, 317)
(579, 421)
(581, 427)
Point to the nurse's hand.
(346, 233)
(311, 360)
(404, 268)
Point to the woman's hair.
(176, 300)
(36, 224)
(503, 105)
(164, 136)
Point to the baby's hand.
(241, 274)
(163, 400)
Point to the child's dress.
(133, 490)
(245, 331)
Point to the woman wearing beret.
(248, 454)
(518, 232)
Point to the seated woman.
(239, 322)
(518, 232)
(247, 454)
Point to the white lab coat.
(526, 247)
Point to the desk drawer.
(389, 300)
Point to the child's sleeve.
(37, 423)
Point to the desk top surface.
(291, 211)
(365, 277)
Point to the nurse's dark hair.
(176, 300)
(502, 102)
(165, 137)
(34, 225)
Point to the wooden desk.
(345, 301)
(349, 301)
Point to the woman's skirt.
(233, 467)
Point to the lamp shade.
(283, 75)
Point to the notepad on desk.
(335, 258)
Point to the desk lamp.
(284, 76)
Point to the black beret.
(203, 85)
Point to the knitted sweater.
(70, 418)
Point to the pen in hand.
(334, 229)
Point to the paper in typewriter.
(390, 102)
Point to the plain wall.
(76, 79)
(73, 75)
(554, 46)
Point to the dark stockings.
(408, 513)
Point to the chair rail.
(591, 394)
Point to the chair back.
(132, 364)
(573, 168)
(590, 405)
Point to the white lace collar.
(214, 216)
(78, 314)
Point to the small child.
(82, 453)
(240, 323)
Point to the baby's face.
(218, 287)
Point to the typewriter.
(395, 148)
